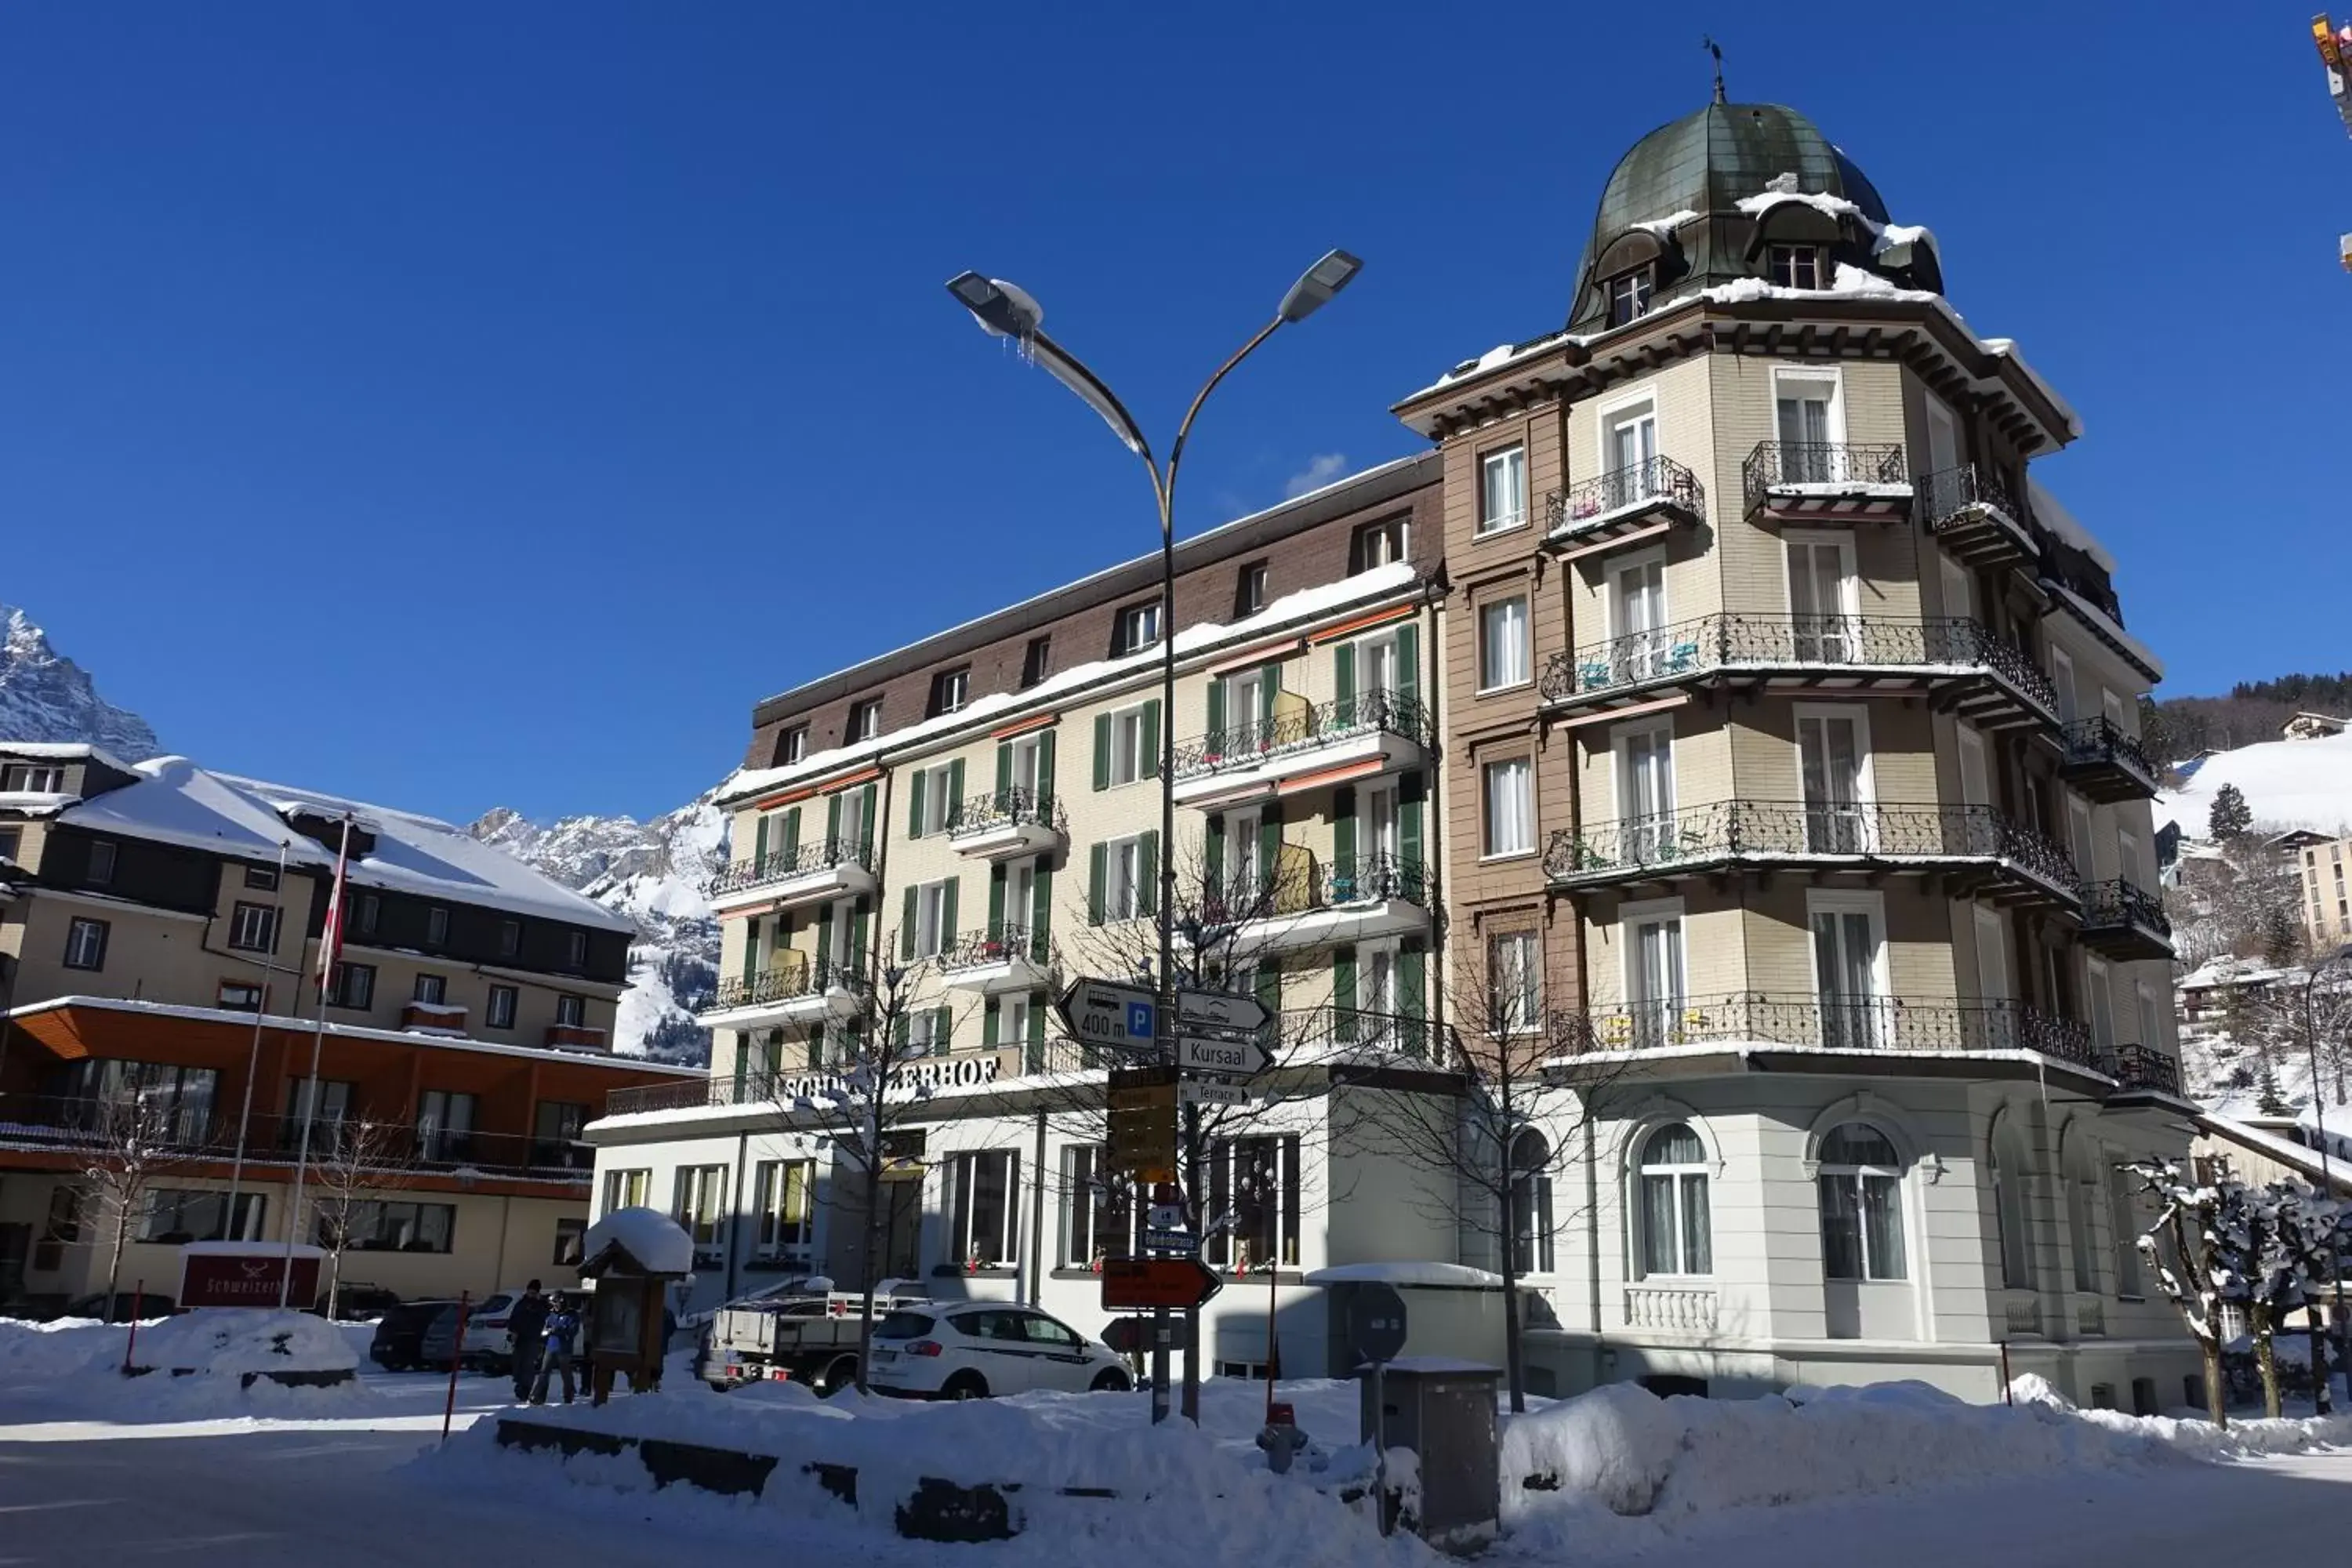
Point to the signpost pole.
(456, 1354)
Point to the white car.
(970, 1350)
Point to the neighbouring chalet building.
(1720, 697)
(152, 949)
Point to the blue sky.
(464, 406)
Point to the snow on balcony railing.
(1850, 1024)
(1303, 728)
(1822, 466)
(1012, 806)
(780, 865)
(1657, 481)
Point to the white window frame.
(1814, 375)
(2062, 675)
(1241, 874)
(2099, 1001)
(1123, 860)
(865, 720)
(89, 954)
(1866, 781)
(1701, 1172)
(1000, 1249)
(1992, 943)
(492, 1016)
(1630, 919)
(795, 744)
(955, 689)
(771, 1186)
(1613, 601)
(1872, 905)
(1960, 597)
(1519, 1012)
(1127, 744)
(1640, 293)
(930, 917)
(1794, 251)
(1900, 1174)
(1091, 1189)
(937, 779)
(1512, 463)
(1138, 627)
(1633, 409)
(253, 928)
(1849, 588)
(1522, 652)
(925, 1035)
(1365, 647)
(1527, 766)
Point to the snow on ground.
(2294, 783)
(195, 1365)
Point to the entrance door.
(1832, 754)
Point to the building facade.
(158, 938)
(2326, 901)
(1770, 747)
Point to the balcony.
(1639, 501)
(1372, 732)
(1870, 1025)
(1972, 847)
(1010, 822)
(2125, 921)
(2137, 1069)
(792, 990)
(1011, 958)
(1963, 666)
(1970, 514)
(2105, 763)
(433, 1017)
(1315, 1033)
(575, 1038)
(1826, 481)
(1305, 904)
(785, 878)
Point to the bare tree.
(130, 1140)
(2199, 1250)
(350, 1161)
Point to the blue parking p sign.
(1139, 1021)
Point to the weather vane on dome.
(1715, 49)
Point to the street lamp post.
(1006, 311)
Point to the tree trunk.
(2258, 1319)
(334, 1277)
(1514, 1366)
(114, 1260)
(873, 1247)
(2217, 1393)
(2322, 1394)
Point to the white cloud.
(1320, 471)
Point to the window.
(264, 877)
(1255, 1181)
(1644, 648)
(431, 989)
(1036, 660)
(1653, 972)
(500, 1014)
(1510, 813)
(865, 719)
(176, 1214)
(445, 1125)
(626, 1189)
(1249, 589)
(950, 689)
(1833, 763)
(86, 944)
(182, 1098)
(509, 938)
(1135, 629)
(555, 1135)
(1099, 1210)
(1503, 643)
(2124, 1221)
(353, 985)
(436, 926)
(253, 928)
(1375, 545)
(365, 910)
(571, 1012)
(1794, 266)
(934, 904)
(780, 1196)
(1629, 445)
(791, 746)
(981, 1189)
(325, 1106)
(1503, 490)
(2082, 1202)
(2005, 1169)
(1629, 296)
(12, 841)
(1677, 1232)
(1861, 1182)
(237, 997)
(570, 1238)
(1806, 418)
(1824, 598)
(99, 873)
(699, 1202)
(1643, 760)
(1531, 1203)
(934, 802)
(575, 950)
(1131, 742)
(395, 1227)
(1126, 880)
(33, 778)
(1515, 982)
(1850, 969)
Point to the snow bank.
(649, 1235)
(78, 1363)
(230, 1341)
(2295, 783)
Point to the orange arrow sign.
(1128, 1283)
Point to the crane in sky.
(2335, 46)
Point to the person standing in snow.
(561, 1332)
(525, 1324)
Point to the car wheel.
(965, 1385)
(841, 1375)
(1110, 1380)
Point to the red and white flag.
(330, 937)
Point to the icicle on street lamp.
(1007, 310)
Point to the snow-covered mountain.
(655, 873)
(43, 696)
(2287, 784)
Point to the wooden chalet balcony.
(2125, 921)
(1389, 727)
(444, 1016)
(1972, 513)
(1641, 501)
(804, 874)
(2105, 763)
(1826, 481)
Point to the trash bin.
(1443, 1411)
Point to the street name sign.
(1238, 1057)
(1208, 1091)
(1105, 1013)
(1219, 1010)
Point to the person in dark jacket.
(525, 1324)
(561, 1335)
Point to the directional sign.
(1237, 1057)
(1103, 1013)
(1171, 1241)
(1208, 1091)
(1198, 1010)
(1129, 1283)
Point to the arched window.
(1531, 1203)
(1677, 1232)
(2005, 1162)
(1861, 1180)
(2081, 1204)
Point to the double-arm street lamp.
(1005, 310)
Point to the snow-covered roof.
(2061, 522)
(64, 750)
(2107, 627)
(176, 802)
(2285, 1151)
(2303, 784)
(1306, 604)
(657, 1241)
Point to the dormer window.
(1629, 295)
(865, 720)
(1794, 266)
(951, 689)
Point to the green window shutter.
(1269, 849)
(865, 815)
(907, 927)
(1213, 851)
(1217, 713)
(1038, 1001)
(1151, 768)
(750, 948)
(792, 846)
(1343, 837)
(1148, 875)
(861, 934)
(1269, 982)
(1004, 766)
(995, 903)
(1041, 919)
(1343, 994)
(942, 1030)
(760, 842)
(1268, 689)
(990, 1022)
(915, 788)
(1412, 975)
(902, 1030)
(955, 789)
(947, 914)
(1045, 767)
(1097, 873)
(1412, 790)
(1343, 682)
(833, 819)
(815, 1047)
(1102, 751)
(818, 918)
(1408, 659)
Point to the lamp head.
(1323, 279)
(1002, 309)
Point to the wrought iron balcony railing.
(1306, 726)
(2123, 903)
(1791, 465)
(780, 865)
(1014, 807)
(1314, 1031)
(784, 982)
(1833, 1023)
(1301, 885)
(1707, 644)
(979, 948)
(2101, 741)
(2138, 1067)
(1653, 480)
(1949, 494)
(1735, 829)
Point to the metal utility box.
(1444, 1412)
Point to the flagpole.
(331, 943)
(253, 1057)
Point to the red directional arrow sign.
(1129, 1283)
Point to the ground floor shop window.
(699, 1202)
(781, 1202)
(395, 1227)
(174, 1215)
(981, 1189)
(1100, 1206)
(1256, 1181)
